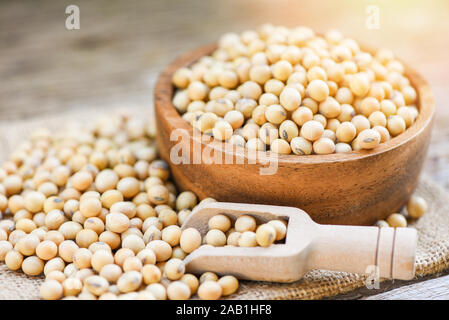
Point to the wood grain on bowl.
(357, 188)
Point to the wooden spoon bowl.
(356, 188)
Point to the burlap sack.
(432, 252)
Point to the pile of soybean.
(291, 90)
(94, 210)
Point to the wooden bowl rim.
(164, 90)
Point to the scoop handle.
(386, 252)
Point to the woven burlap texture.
(432, 252)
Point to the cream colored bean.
(215, 238)
(265, 235)
(301, 146)
(312, 130)
(323, 146)
(280, 146)
(275, 114)
(318, 90)
(220, 222)
(210, 290)
(229, 285)
(397, 220)
(247, 239)
(368, 139)
(190, 240)
(245, 223)
(280, 229)
(416, 207)
(290, 99)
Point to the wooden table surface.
(122, 45)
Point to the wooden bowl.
(356, 188)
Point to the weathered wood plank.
(434, 289)
(388, 286)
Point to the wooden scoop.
(307, 246)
